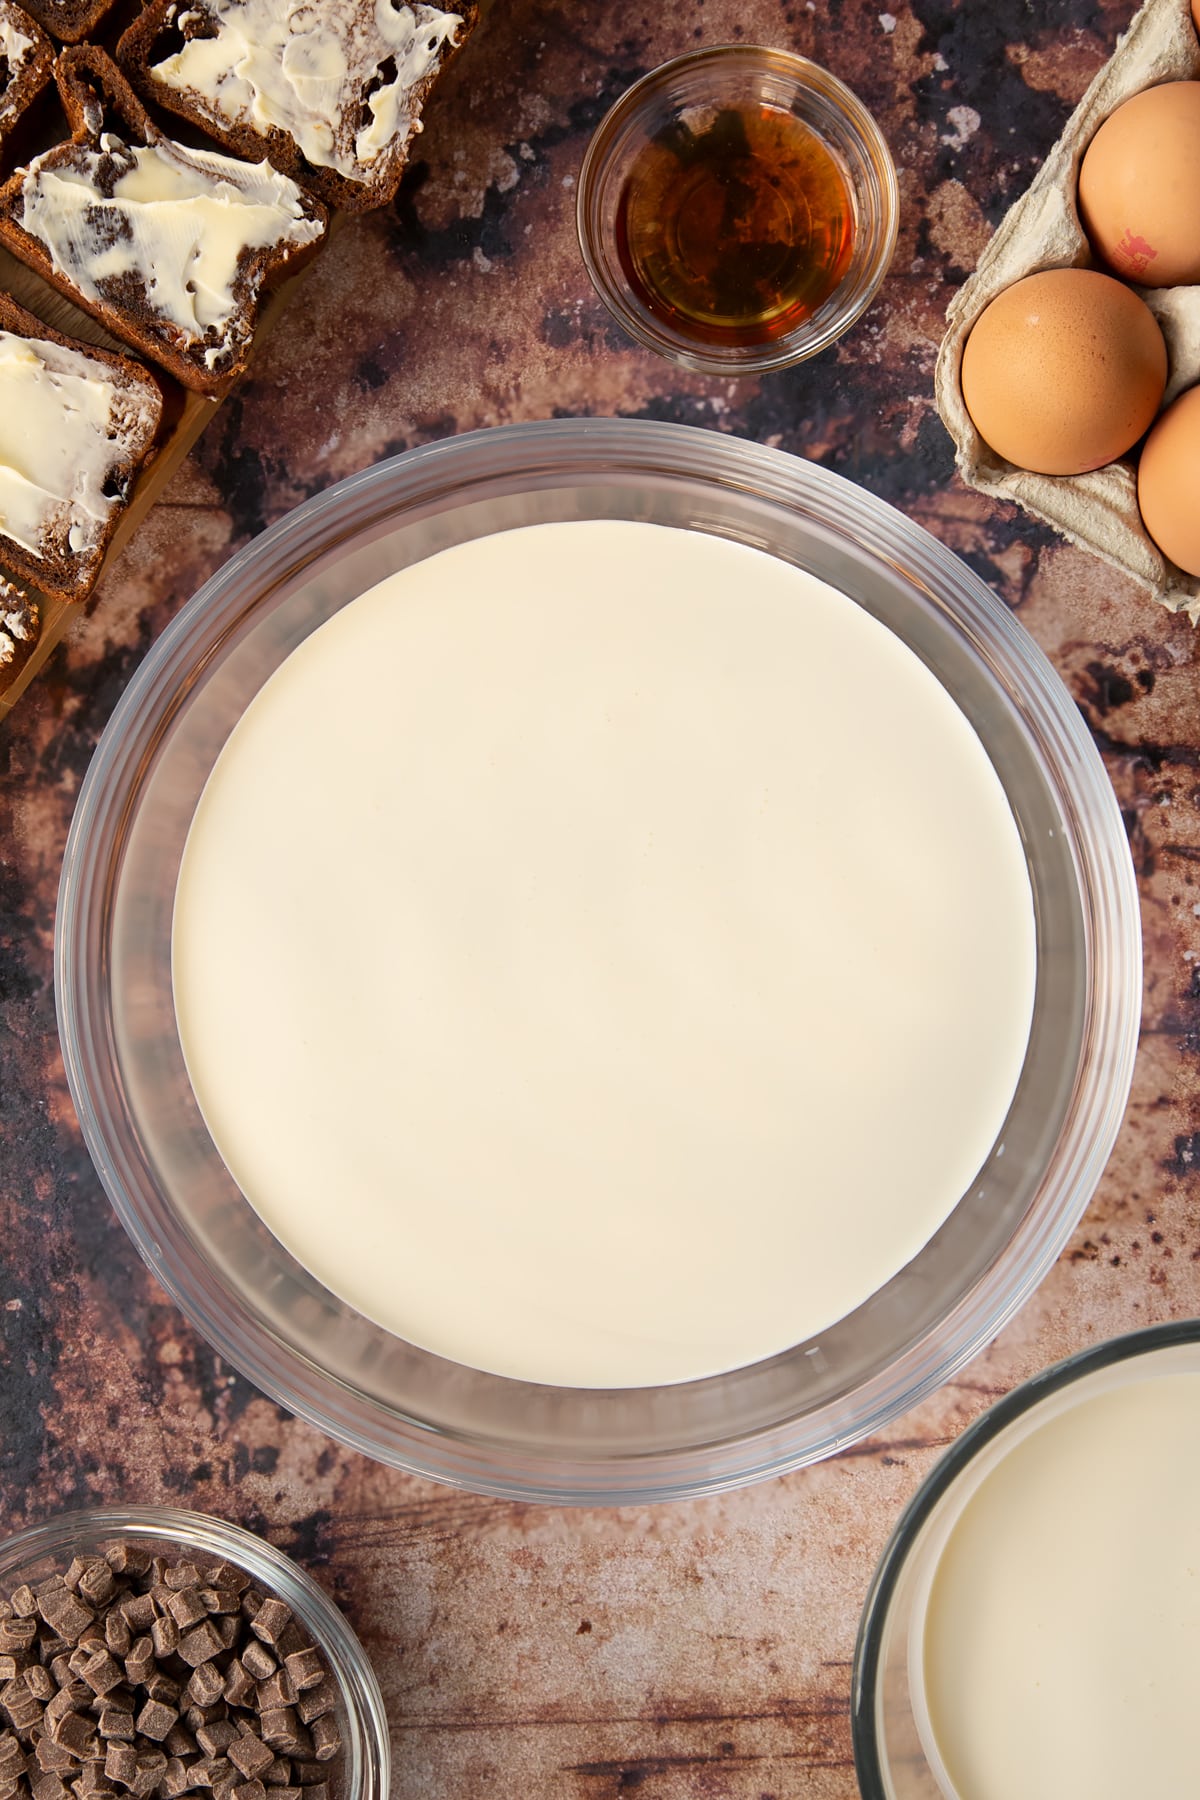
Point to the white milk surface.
(1062, 1637)
(603, 954)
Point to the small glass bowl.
(894, 1753)
(363, 1771)
(697, 85)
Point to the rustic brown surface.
(691, 1650)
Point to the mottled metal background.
(691, 1650)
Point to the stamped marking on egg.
(1134, 253)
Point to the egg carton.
(1042, 230)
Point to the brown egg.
(1139, 187)
(1064, 371)
(1196, 14)
(1169, 482)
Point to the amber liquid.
(735, 232)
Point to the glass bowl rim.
(801, 343)
(579, 450)
(950, 1465)
(61, 1534)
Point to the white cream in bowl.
(604, 954)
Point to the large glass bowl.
(270, 1317)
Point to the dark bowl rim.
(950, 1465)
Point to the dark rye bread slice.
(19, 628)
(26, 65)
(70, 21)
(180, 278)
(93, 418)
(220, 65)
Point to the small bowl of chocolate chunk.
(154, 1654)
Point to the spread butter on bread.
(330, 90)
(19, 627)
(76, 425)
(26, 64)
(171, 248)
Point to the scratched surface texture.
(691, 1650)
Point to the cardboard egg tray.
(1042, 230)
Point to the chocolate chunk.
(156, 1719)
(17, 1634)
(120, 1764)
(205, 1685)
(93, 1784)
(215, 1739)
(96, 1584)
(53, 1758)
(326, 1738)
(118, 1633)
(126, 1559)
(270, 1619)
(23, 1709)
(279, 1773)
(151, 1767)
(73, 1732)
(179, 1741)
(251, 1756)
(139, 1664)
(78, 1568)
(102, 1672)
(305, 1669)
(10, 1668)
(116, 1722)
(40, 1682)
(164, 1635)
(66, 1615)
(258, 1661)
(317, 1700)
(70, 1697)
(201, 1645)
(250, 1790)
(139, 1612)
(186, 1607)
(239, 1684)
(277, 1690)
(47, 1786)
(308, 1773)
(163, 1687)
(176, 1779)
(220, 1600)
(23, 1602)
(13, 1760)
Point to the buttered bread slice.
(171, 248)
(26, 64)
(76, 425)
(330, 90)
(19, 628)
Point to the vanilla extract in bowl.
(737, 209)
(737, 227)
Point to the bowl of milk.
(1031, 1630)
(597, 961)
